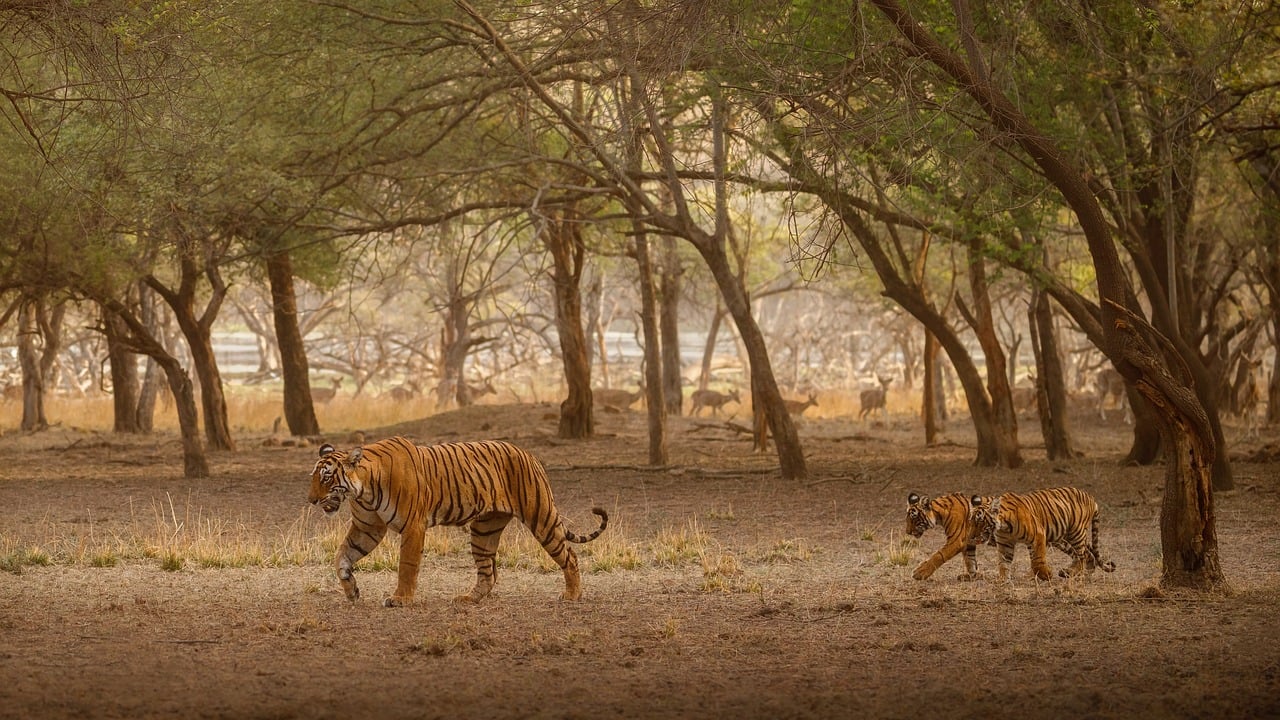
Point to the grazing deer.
(711, 399)
(795, 408)
(615, 398)
(874, 399)
(1025, 398)
(1110, 383)
(475, 391)
(323, 394)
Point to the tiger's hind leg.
(552, 537)
(486, 532)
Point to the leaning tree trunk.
(299, 411)
(567, 250)
(198, 331)
(1145, 359)
(194, 462)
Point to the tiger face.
(985, 515)
(331, 481)
(920, 515)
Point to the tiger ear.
(325, 449)
(912, 499)
(354, 456)
(976, 500)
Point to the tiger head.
(920, 515)
(332, 480)
(985, 514)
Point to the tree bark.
(669, 325)
(299, 410)
(653, 390)
(33, 417)
(125, 386)
(1051, 389)
(564, 242)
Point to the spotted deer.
(325, 394)
(1110, 383)
(615, 398)
(711, 399)
(874, 399)
(1025, 398)
(796, 408)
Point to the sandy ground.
(787, 599)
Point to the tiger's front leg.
(936, 560)
(362, 538)
(411, 541)
(1039, 558)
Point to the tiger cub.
(396, 485)
(954, 513)
(1065, 518)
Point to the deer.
(874, 399)
(323, 394)
(1025, 398)
(615, 398)
(712, 399)
(1110, 382)
(796, 408)
(475, 391)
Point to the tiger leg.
(936, 560)
(1005, 546)
(970, 562)
(1039, 560)
(411, 540)
(362, 538)
(486, 531)
(551, 536)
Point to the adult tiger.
(1065, 518)
(954, 513)
(405, 487)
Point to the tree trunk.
(299, 411)
(1051, 389)
(150, 317)
(929, 403)
(1004, 419)
(194, 462)
(125, 387)
(709, 349)
(33, 417)
(669, 324)
(653, 390)
(197, 329)
(567, 250)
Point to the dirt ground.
(746, 595)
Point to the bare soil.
(800, 602)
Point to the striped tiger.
(405, 487)
(1065, 518)
(953, 513)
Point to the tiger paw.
(971, 577)
(921, 573)
(469, 598)
(394, 601)
(571, 597)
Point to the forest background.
(428, 202)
